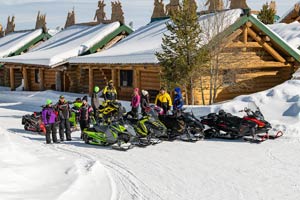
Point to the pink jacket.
(135, 101)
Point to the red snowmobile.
(263, 128)
(34, 123)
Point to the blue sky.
(136, 11)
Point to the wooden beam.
(42, 79)
(266, 46)
(231, 37)
(12, 78)
(91, 81)
(248, 24)
(25, 78)
(245, 35)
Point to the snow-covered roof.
(16, 40)
(71, 42)
(288, 32)
(140, 46)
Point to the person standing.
(85, 112)
(135, 102)
(110, 92)
(144, 101)
(178, 101)
(49, 118)
(64, 111)
(95, 102)
(163, 100)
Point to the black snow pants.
(64, 126)
(51, 129)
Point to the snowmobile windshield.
(153, 114)
(255, 110)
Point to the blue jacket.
(178, 100)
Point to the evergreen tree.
(266, 14)
(182, 53)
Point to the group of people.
(60, 113)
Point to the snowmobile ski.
(278, 134)
(122, 146)
(256, 140)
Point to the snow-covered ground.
(210, 169)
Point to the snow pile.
(288, 32)
(71, 42)
(140, 46)
(33, 170)
(16, 40)
(296, 75)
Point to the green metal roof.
(104, 41)
(43, 36)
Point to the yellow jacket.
(163, 98)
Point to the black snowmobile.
(110, 111)
(149, 128)
(225, 125)
(33, 122)
(183, 125)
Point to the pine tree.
(182, 51)
(267, 14)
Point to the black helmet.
(222, 113)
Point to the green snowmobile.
(148, 128)
(115, 134)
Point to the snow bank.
(140, 46)
(31, 170)
(71, 42)
(16, 40)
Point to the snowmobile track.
(120, 175)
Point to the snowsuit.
(178, 100)
(84, 116)
(95, 102)
(135, 102)
(144, 103)
(64, 114)
(49, 119)
(164, 101)
(109, 93)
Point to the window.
(37, 76)
(126, 77)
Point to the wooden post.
(25, 78)
(12, 78)
(266, 46)
(91, 81)
(42, 79)
(58, 80)
(135, 78)
(245, 38)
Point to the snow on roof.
(288, 32)
(73, 41)
(16, 40)
(140, 46)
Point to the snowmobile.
(110, 111)
(33, 122)
(183, 125)
(226, 126)
(263, 128)
(115, 134)
(148, 128)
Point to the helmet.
(110, 81)
(145, 92)
(48, 102)
(61, 97)
(96, 89)
(222, 113)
